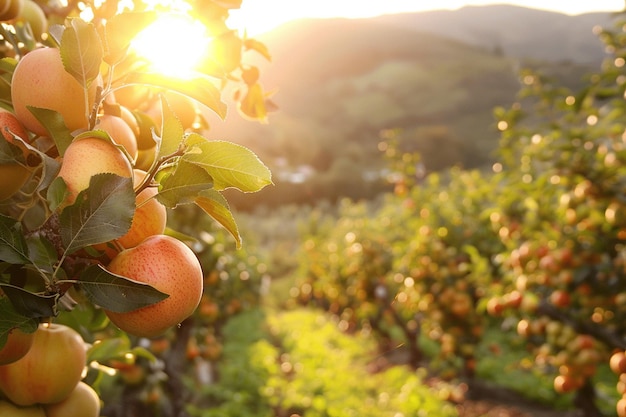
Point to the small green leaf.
(105, 349)
(55, 125)
(183, 185)
(10, 319)
(10, 153)
(81, 51)
(117, 293)
(29, 304)
(101, 213)
(49, 166)
(230, 165)
(13, 247)
(42, 252)
(171, 130)
(200, 88)
(216, 206)
(56, 194)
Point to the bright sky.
(259, 16)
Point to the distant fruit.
(171, 267)
(617, 362)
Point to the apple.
(82, 402)
(10, 410)
(40, 80)
(150, 217)
(171, 267)
(50, 370)
(86, 157)
(617, 362)
(33, 15)
(11, 9)
(121, 133)
(13, 175)
(17, 345)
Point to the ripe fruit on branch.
(150, 216)
(40, 80)
(82, 402)
(34, 16)
(86, 157)
(120, 132)
(10, 9)
(171, 267)
(50, 370)
(12, 175)
(17, 345)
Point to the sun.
(173, 45)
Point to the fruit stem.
(147, 181)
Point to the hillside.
(341, 82)
(519, 32)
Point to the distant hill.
(520, 32)
(435, 76)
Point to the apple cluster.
(41, 375)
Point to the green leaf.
(183, 185)
(13, 247)
(49, 166)
(117, 293)
(81, 51)
(42, 252)
(172, 130)
(230, 165)
(121, 29)
(56, 194)
(105, 349)
(10, 319)
(10, 153)
(101, 213)
(216, 206)
(29, 304)
(55, 125)
(200, 88)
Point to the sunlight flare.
(173, 44)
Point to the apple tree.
(98, 149)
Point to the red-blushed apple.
(17, 345)
(12, 175)
(150, 216)
(171, 267)
(87, 157)
(50, 370)
(83, 401)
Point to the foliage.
(56, 240)
(299, 362)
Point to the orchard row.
(539, 240)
